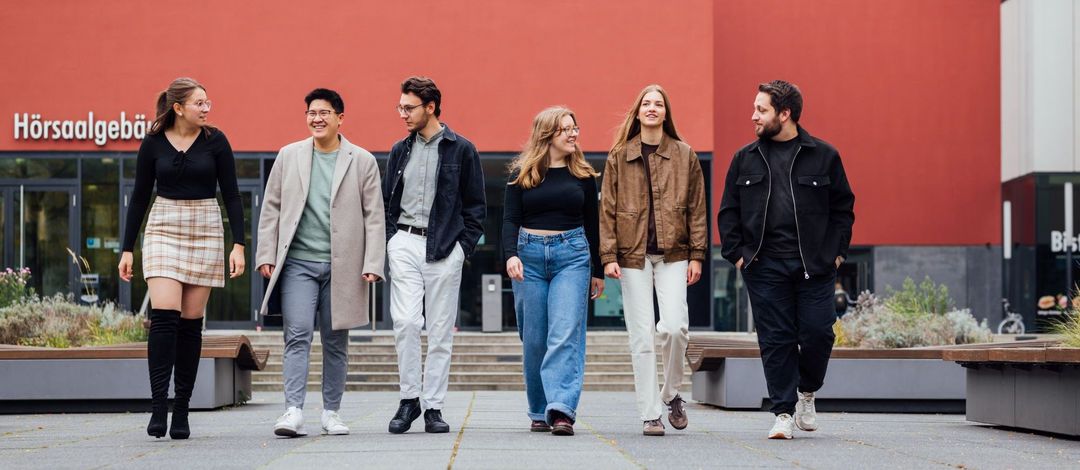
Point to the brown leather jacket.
(678, 190)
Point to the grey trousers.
(305, 301)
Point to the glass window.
(247, 168)
(129, 168)
(38, 168)
(101, 225)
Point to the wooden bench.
(727, 372)
(709, 353)
(215, 347)
(114, 377)
(1034, 386)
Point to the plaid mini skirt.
(184, 240)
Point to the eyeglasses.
(407, 108)
(570, 129)
(201, 104)
(323, 113)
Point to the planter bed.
(1035, 388)
(114, 378)
(728, 373)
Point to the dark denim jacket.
(457, 213)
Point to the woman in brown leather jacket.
(653, 236)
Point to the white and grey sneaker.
(290, 424)
(782, 429)
(332, 424)
(805, 413)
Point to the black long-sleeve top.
(560, 202)
(193, 174)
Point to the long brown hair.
(532, 163)
(631, 126)
(177, 92)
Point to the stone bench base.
(73, 385)
(852, 385)
(1036, 397)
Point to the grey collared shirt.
(419, 181)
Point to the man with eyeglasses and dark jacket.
(433, 191)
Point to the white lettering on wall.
(30, 126)
(1058, 243)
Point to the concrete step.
(453, 386)
(504, 348)
(270, 338)
(466, 357)
(462, 377)
(276, 367)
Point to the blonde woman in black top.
(550, 243)
(183, 243)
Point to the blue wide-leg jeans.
(552, 309)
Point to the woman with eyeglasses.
(550, 234)
(653, 239)
(183, 243)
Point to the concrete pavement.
(489, 430)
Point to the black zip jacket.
(457, 213)
(824, 204)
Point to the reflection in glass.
(100, 224)
(247, 168)
(38, 168)
(233, 303)
(46, 227)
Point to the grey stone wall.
(972, 273)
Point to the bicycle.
(1013, 324)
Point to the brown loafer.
(676, 413)
(539, 426)
(653, 428)
(562, 427)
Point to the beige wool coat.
(357, 233)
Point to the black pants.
(794, 317)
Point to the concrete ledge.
(854, 385)
(73, 385)
(1036, 397)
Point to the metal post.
(1069, 240)
(1006, 250)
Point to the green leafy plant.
(877, 323)
(926, 297)
(1068, 326)
(59, 322)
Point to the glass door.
(40, 232)
(236, 306)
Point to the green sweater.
(312, 239)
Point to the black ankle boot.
(160, 356)
(188, 352)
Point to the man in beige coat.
(322, 236)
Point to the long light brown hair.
(532, 163)
(178, 92)
(631, 126)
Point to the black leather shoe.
(434, 423)
(407, 412)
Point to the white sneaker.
(782, 428)
(805, 413)
(332, 424)
(290, 424)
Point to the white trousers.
(419, 289)
(669, 281)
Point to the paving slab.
(489, 430)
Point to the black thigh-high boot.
(188, 351)
(160, 356)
